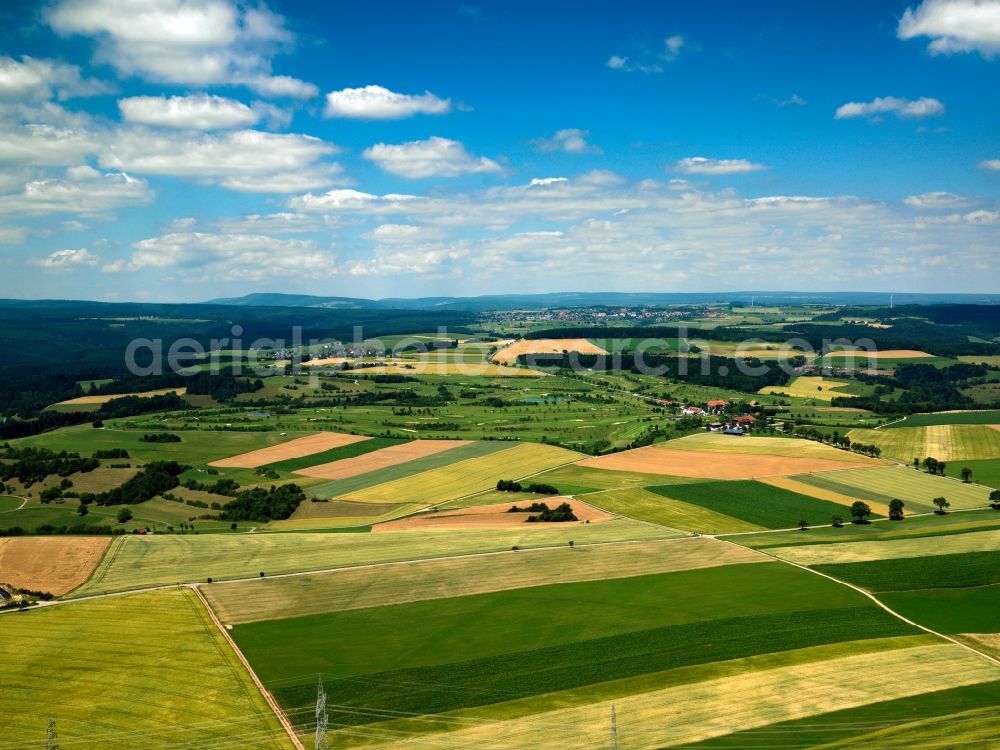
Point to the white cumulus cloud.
(379, 103)
(703, 165)
(196, 111)
(434, 157)
(65, 259)
(992, 164)
(569, 140)
(247, 160)
(34, 78)
(184, 41)
(224, 256)
(938, 199)
(925, 106)
(954, 25)
(82, 190)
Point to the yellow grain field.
(809, 386)
(467, 477)
(103, 399)
(509, 354)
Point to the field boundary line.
(265, 693)
(992, 660)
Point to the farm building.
(692, 411)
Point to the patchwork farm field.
(292, 449)
(294, 596)
(755, 503)
(467, 477)
(890, 549)
(836, 681)
(495, 690)
(946, 442)
(349, 485)
(387, 453)
(137, 561)
(812, 387)
(654, 507)
(916, 488)
(129, 681)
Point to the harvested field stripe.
(141, 561)
(849, 552)
(710, 464)
(388, 455)
(467, 477)
(764, 446)
(720, 706)
(915, 488)
(292, 596)
(305, 446)
(792, 484)
(341, 487)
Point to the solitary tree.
(966, 474)
(940, 467)
(941, 503)
(995, 499)
(803, 524)
(916, 463)
(124, 515)
(233, 526)
(82, 510)
(837, 522)
(896, 510)
(860, 511)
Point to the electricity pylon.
(322, 720)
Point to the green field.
(929, 572)
(573, 480)
(915, 488)
(150, 668)
(948, 417)
(950, 610)
(136, 561)
(983, 472)
(755, 502)
(644, 505)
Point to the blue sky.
(180, 150)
